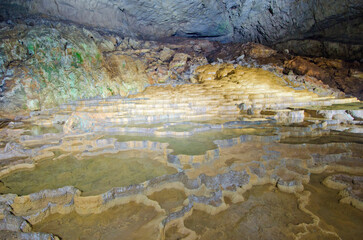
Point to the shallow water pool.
(92, 176)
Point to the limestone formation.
(211, 183)
(46, 65)
(350, 188)
(252, 118)
(104, 136)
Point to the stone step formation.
(239, 90)
(236, 140)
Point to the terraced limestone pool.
(199, 142)
(92, 175)
(346, 220)
(129, 221)
(263, 181)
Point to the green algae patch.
(35, 130)
(194, 145)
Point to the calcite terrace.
(250, 116)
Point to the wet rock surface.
(350, 186)
(250, 219)
(224, 184)
(335, 214)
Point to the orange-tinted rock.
(329, 63)
(123, 72)
(246, 51)
(255, 50)
(301, 66)
(158, 74)
(179, 62)
(335, 73)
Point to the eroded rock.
(313, 27)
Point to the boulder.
(158, 74)
(179, 62)
(255, 50)
(126, 75)
(302, 66)
(166, 54)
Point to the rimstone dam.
(181, 119)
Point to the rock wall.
(333, 28)
(43, 66)
(47, 63)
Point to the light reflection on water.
(266, 213)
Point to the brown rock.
(255, 50)
(123, 72)
(246, 52)
(224, 71)
(329, 63)
(179, 62)
(335, 73)
(158, 74)
(207, 73)
(301, 66)
(166, 54)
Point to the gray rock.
(13, 235)
(357, 114)
(33, 105)
(335, 26)
(343, 118)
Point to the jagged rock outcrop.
(314, 27)
(335, 73)
(47, 64)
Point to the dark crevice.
(271, 10)
(196, 35)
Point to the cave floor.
(227, 180)
(195, 161)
